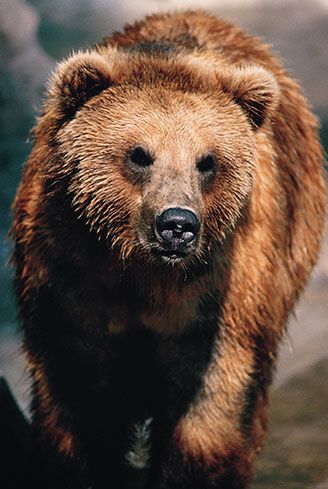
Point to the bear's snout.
(176, 229)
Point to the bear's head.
(160, 149)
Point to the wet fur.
(114, 335)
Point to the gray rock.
(20, 50)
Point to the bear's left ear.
(255, 89)
(78, 79)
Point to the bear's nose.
(177, 227)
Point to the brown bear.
(168, 218)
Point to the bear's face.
(159, 171)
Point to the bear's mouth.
(173, 256)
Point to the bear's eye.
(207, 164)
(140, 157)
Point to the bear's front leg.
(214, 440)
(57, 460)
(76, 447)
(197, 458)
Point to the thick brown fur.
(115, 334)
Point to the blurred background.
(36, 33)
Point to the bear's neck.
(163, 299)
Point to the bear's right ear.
(77, 80)
(255, 90)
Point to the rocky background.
(32, 36)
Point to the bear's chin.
(173, 259)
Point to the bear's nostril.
(177, 227)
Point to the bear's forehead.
(175, 125)
(162, 108)
(161, 112)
